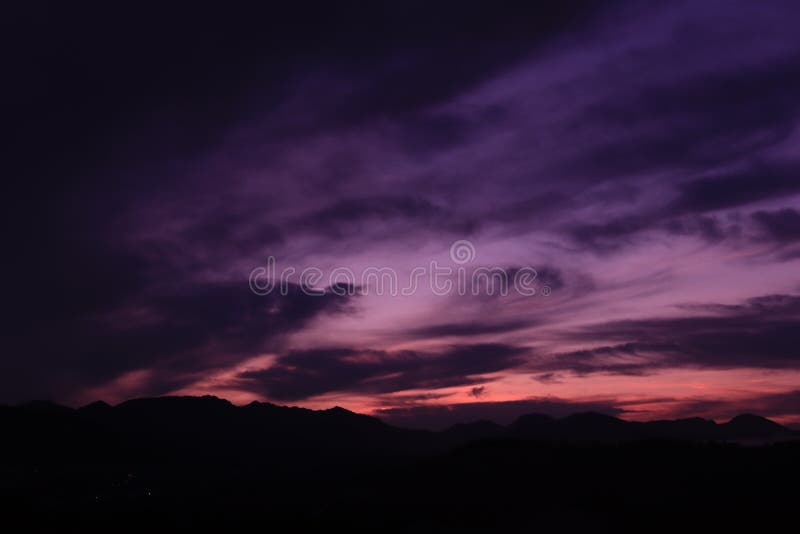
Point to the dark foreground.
(203, 464)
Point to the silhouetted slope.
(209, 426)
(533, 426)
(752, 426)
(200, 463)
(95, 409)
(467, 432)
(694, 428)
(597, 427)
(214, 427)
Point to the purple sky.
(642, 157)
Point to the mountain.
(467, 432)
(533, 426)
(694, 428)
(597, 427)
(211, 427)
(202, 463)
(752, 426)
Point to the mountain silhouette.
(533, 426)
(207, 426)
(752, 426)
(200, 463)
(467, 432)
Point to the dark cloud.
(548, 378)
(782, 226)
(411, 399)
(352, 215)
(696, 122)
(302, 374)
(709, 228)
(118, 117)
(176, 334)
(610, 235)
(728, 190)
(448, 34)
(622, 232)
(690, 213)
(550, 276)
(763, 332)
(625, 359)
(469, 329)
(710, 131)
(477, 391)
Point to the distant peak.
(750, 425)
(749, 417)
(96, 405)
(176, 401)
(752, 419)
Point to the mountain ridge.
(188, 463)
(197, 414)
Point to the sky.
(640, 161)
